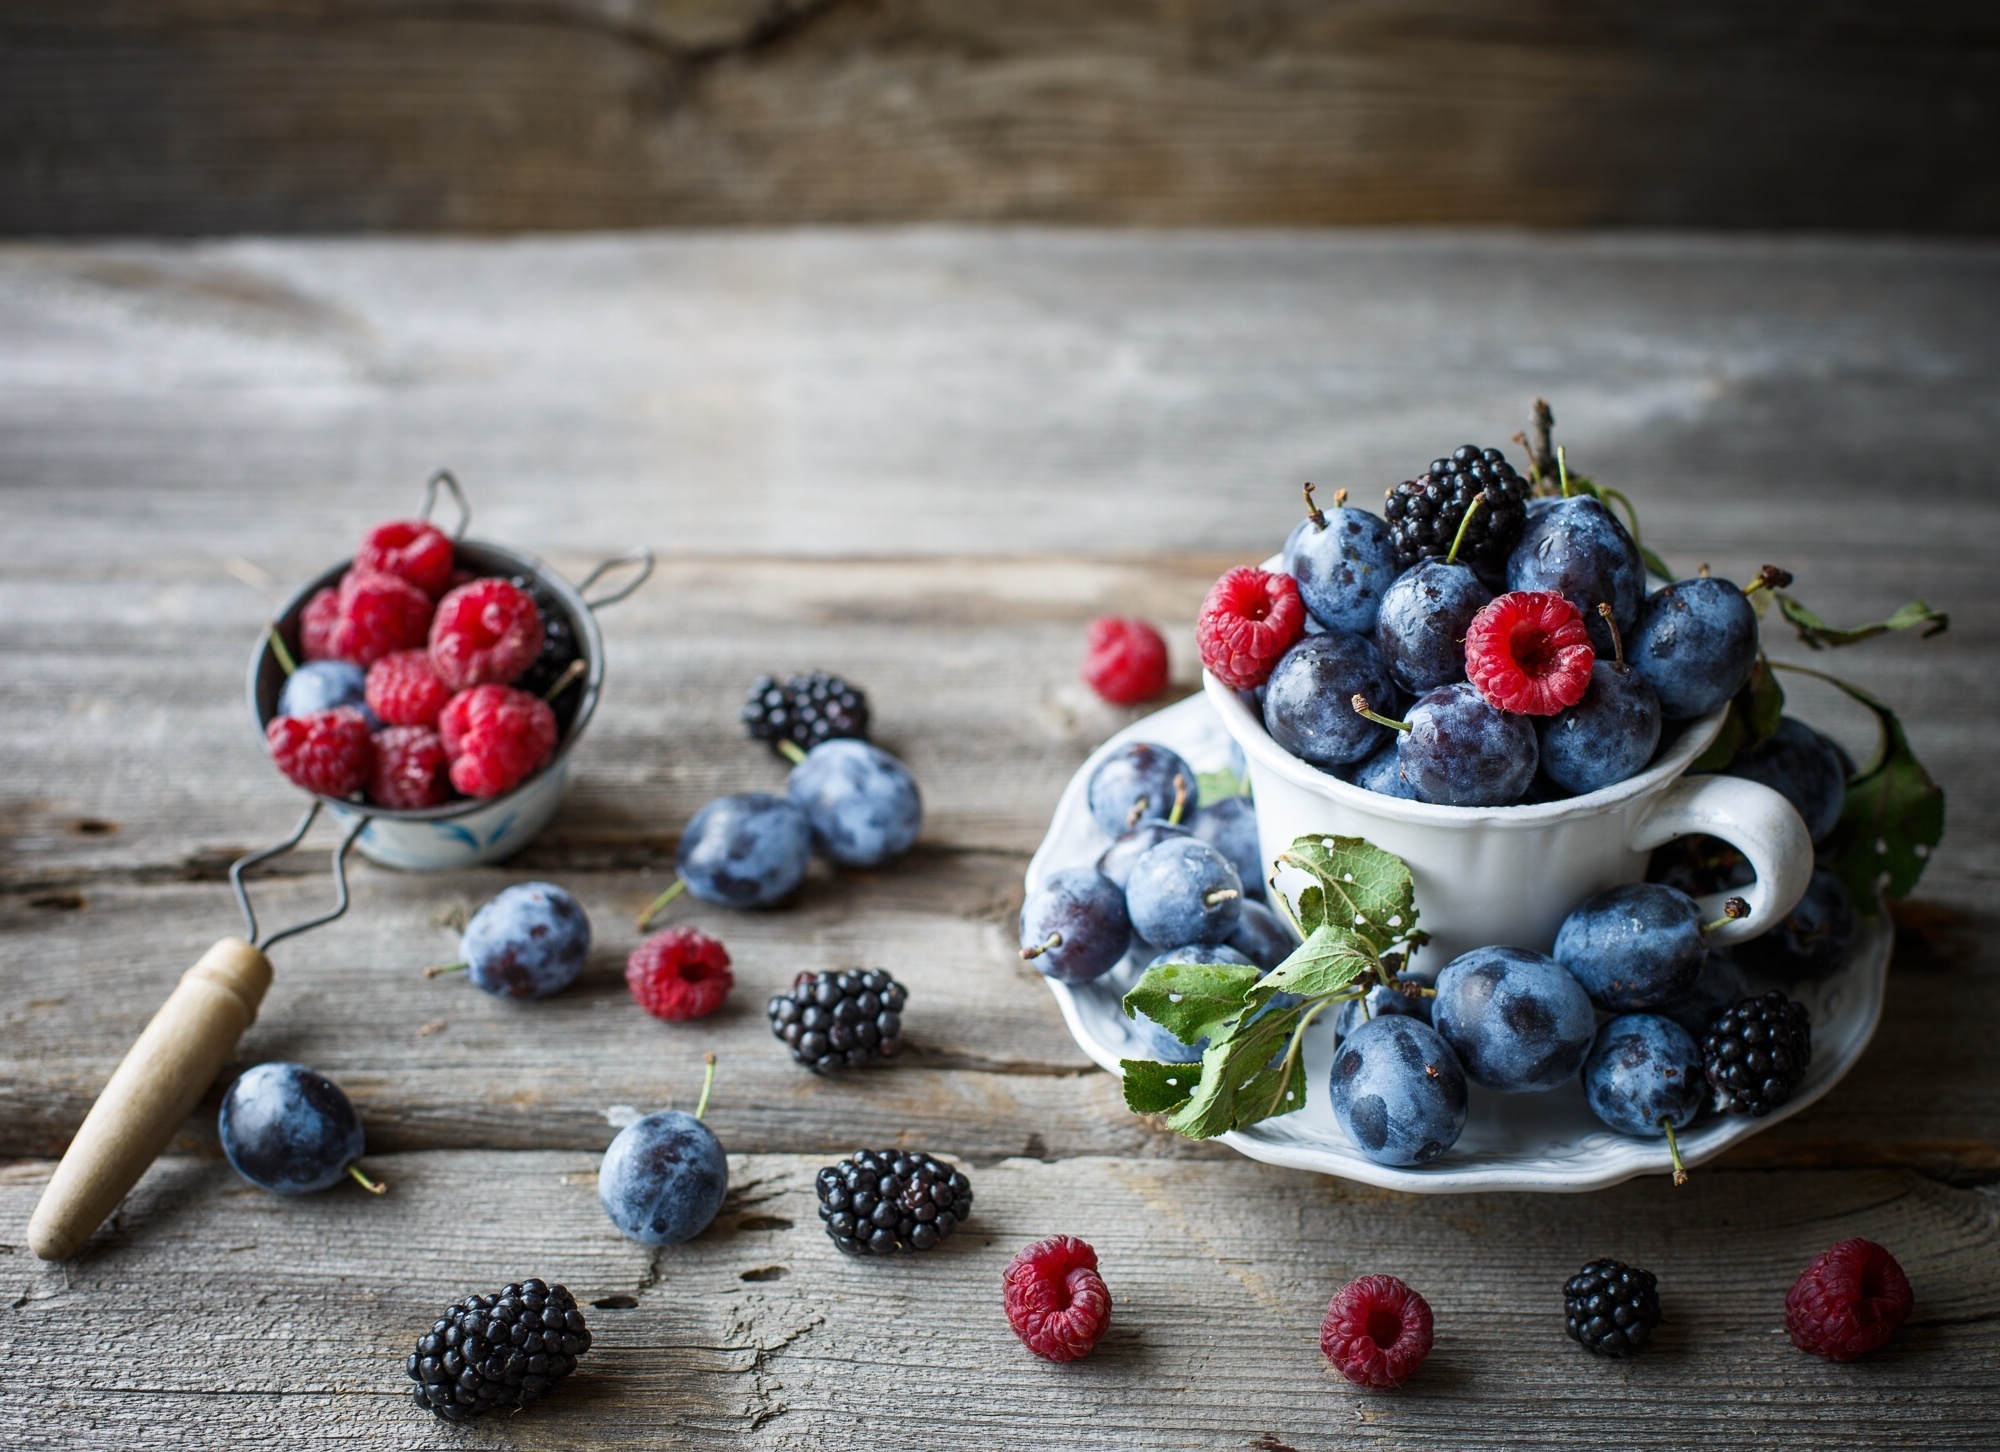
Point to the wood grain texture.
(294, 115)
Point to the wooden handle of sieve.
(151, 1094)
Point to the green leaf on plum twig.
(1152, 1088)
(1356, 886)
(1816, 633)
(1753, 716)
(1239, 1083)
(1214, 786)
(1326, 962)
(1191, 1001)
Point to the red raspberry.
(1377, 1331)
(327, 752)
(496, 737)
(1056, 1301)
(1850, 1300)
(379, 613)
(1528, 652)
(679, 974)
(410, 765)
(1250, 618)
(317, 623)
(411, 550)
(404, 691)
(488, 631)
(1125, 661)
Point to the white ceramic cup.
(1510, 875)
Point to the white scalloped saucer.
(1547, 1142)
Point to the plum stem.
(1220, 896)
(1451, 555)
(1313, 511)
(1562, 472)
(1770, 577)
(707, 1084)
(1055, 940)
(654, 908)
(789, 749)
(1617, 639)
(1735, 908)
(444, 968)
(1361, 708)
(1674, 1150)
(278, 649)
(1180, 800)
(373, 1187)
(562, 682)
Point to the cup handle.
(1753, 819)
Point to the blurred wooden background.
(199, 116)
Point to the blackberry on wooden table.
(503, 1350)
(840, 1019)
(1424, 513)
(879, 1202)
(1611, 1308)
(806, 710)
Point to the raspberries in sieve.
(487, 632)
(404, 690)
(1527, 651)
(378, 613)
(410, 769)
(1250, 618)
(317, 623)
(1851, 1299)
(328, 752)
(496, 737)
(679, 974)
(1377, 1331)
(1125, 661)
(1057, 1303)
(411, 550)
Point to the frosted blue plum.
(1133, 843)
(1343, 560)
(1383, 772)
(663, 1178)
(1804, 768)
(1461, 751)
(1638, 946)
(1577, 548)
(1308, 699)
(1607, 736)
(529, 941)
(1074, 927)
(1517, 1020)
(1695, 642)
(288, 1130)
(1184, 891)
(746, 850)
(1719, 985)
(1139, 781)
(321, 685)
(1262, 936)
(1398, 1091)
(1230, 827)
(862, 803)
(1644, 1072)
(1421, 629)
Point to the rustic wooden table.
(924, 459)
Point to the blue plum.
(1719, 985)
(1461, 751)
(1377, 1001)
(1138, 781)
(288, 1129)
(1517, 1020)
(1230, 827)
(321, 685)
(1421, 629)
(1636, 946)
(1607, 736)
(1074, 927)
(1383, 773)
(1398, 1091)
(1804, 768)
(1644, 1073)
(746, 850)
(1343, 560)
(1184, 891)
(663, 1178)
(1695, 643)
(1262, 936)
(862, 803)
(1306, 701)
(1115, 862)
(528, 941)
(1812, 939)
(1577, 548)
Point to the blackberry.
(840, 1019)
(805, 710)
(878, 1202)
(1424, 513)
(503, 1350)
(1756, 1053)
(1611, 1308)
(559, 648)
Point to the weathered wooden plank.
(759, 1333)
(273, 115)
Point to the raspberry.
(496, 738)
(409, 770)
(378, 613)
(1056, 1301)
(410, 550)
(328, 752)
(1850, 1300)
(1377, 1331)
(679, 974)
(404, 691)
(1125, 661)
(485, 632)
(1528, 652)
(316, 625)
(1250, 618)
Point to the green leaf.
(1816, 633)
(1192, 1001)
(1753, 716)
(1326, 962)
(1892, 818)
(1214, 786)
(1362, 889)
(1658, 568)
(1152, 1088)
(1239, 1085)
